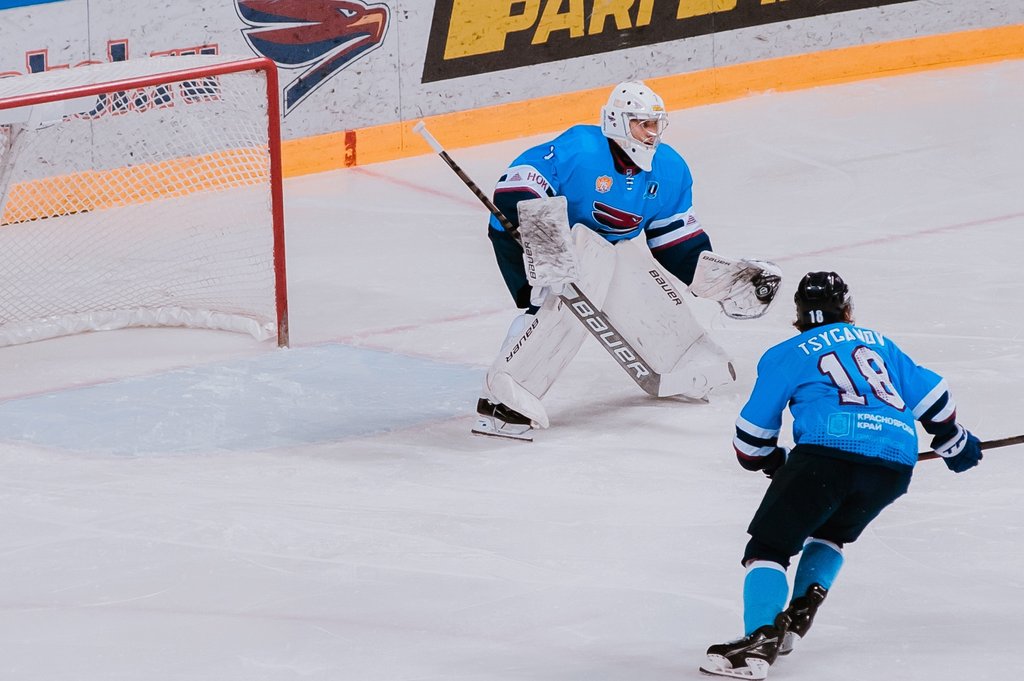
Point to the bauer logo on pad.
(320, 36)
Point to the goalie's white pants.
(644, 304)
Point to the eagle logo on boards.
(321, 36)
(603, 184)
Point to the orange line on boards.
(554, 113)
(92, 190)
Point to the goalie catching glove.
(744, 288)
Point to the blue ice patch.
(8, 4)
(299, 396)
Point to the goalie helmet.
(821, 298)
(634, 118)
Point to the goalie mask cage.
(142, 193)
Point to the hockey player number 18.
(871, 366)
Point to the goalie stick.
(987, 444)
(592, 318)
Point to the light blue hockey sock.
(764, 594)
(819, 564)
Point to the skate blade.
(504, 436)
(755, 672)
(743, 673)
(522, 433)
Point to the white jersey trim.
(931, 398)
(751, 451)
(757, 431)
(689, 225)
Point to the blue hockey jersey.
(616, 200)
(849, 389)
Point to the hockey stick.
(593, 319)
(987, 444)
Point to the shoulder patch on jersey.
(603, 184)
(525, 178)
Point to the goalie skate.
(497, 420)
(750, 656)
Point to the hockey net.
(142, 193)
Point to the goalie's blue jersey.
(616, 201)
(848, 388)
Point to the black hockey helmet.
(821, 298)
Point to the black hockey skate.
(750, 656)
(497, 420)
(801, 614)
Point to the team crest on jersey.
(614, 220)
(320, 36)
(603, 184)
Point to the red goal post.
(142, 193)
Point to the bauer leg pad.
(538, 347)
(646, 306)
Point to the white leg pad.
(539, 347)
(533, 358)
(501, 387)
(646, 306)
(702, 368)
(595, 258)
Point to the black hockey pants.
(823, 497)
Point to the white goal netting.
(141, 193)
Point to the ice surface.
(195, 505)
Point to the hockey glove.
(767, 465)
(774, 461)
(959, 449)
